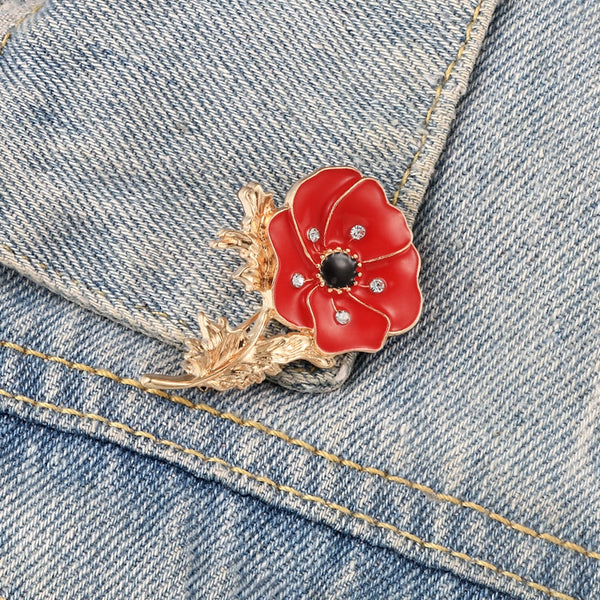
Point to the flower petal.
(311, 200)
(400, 298)
(365, 330)
(290, 301)
(382, 225)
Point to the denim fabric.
(12, 13)
(129, 549)
(464, 454)
(134, 136)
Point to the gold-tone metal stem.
(258, 321)
(168, 382)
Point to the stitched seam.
(436, 99)
(13, 27)
(136, 308)
(428, 491)
(287, 490)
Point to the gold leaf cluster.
(225, 358)
(252, 242)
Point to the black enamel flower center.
(338, 270)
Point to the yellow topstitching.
(9, 33)
(436, 99)
(289, 490)
(309, 447)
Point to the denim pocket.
(124, 155)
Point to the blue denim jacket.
(458, 462)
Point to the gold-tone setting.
(225, 357)
(347, 251)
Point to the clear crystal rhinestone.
(342, 317)
(358, 232)
(377, 286)
(297, 280)
(313, 234)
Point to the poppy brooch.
(336, 265)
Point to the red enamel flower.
(346, 265)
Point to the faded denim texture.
(134, 136)
(459, 462)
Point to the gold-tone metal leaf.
(252, 242)
(225, 358)
(293, 346)
(216, 349)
